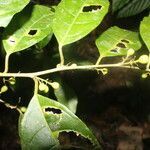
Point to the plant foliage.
(145, 32)
(25, 31)
(116, 42)
(128, 8)
(44, 118)
(77, 19)
(8, 8)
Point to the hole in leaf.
(91, 8)
(114, 50)
(11, 40)
(32, 32)
(121, 45)
(75, 140)
(125, 41)
(53, 110)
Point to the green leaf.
(66, 96)
(8, 8)
(75, 19)
(145, 31)
(118, 4)
(60, 118)
(28, 28)
(44, 42)
(134, 7)
(34, 130)
(116, 42)
(44, 119)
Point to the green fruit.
(74, 65)
(144, 75)
(130, 52)
(55, 85)
(143, 59)
(46, 89)
(43, 87)
(23, 109)
(12, 81)
(3, 89)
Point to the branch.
(67, 68)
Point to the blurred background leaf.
(127, 8)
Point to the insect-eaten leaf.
(145, 31)
(78, 18)
(34, 130)
(116, 42)
(66, 96)
(27, 28)
(44, 119)
(8, 8)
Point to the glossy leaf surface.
(74, 19)
(34, 130)
(116, 42)
(44, 120)
(145, 31)
(28, 28)
(8, 8)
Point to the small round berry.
(23, 109)
(144, 75)
(43, 87)
(143, 59)
(74, 65)
(3, 89)
(46, 89)
(55, 85)
(130, 52)
(12, 81)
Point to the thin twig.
(99, 60)
(67, 68)
(7, 62)
(61, 55)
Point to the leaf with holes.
(28, 28)
(34, 130)
(45, 119)
(66, 96)
(8, 8)
(75, 19)
(145, 31)
(116, 42)
(60, 118)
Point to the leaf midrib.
(69, 29)
(44, 119)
